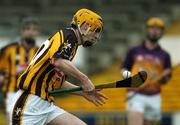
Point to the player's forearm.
(68, 68)
(67, 84)
(165, 77)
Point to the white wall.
(172, 45)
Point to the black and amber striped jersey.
(41, 76)
(14, 58)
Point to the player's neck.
(25, 45)
(151, 45)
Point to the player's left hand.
(2, 78)
(95, 97)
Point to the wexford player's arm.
(68, 68)
(96, 98)
(163, 78)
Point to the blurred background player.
(16, 56)
(32, 104)
(145, 103)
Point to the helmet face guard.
(91, 37)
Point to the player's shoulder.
(165, 52)
(35, 47)
(66, 34)
(135, 48)
(54, 35)
(11, 44)
(69, 34)
(8, 46)
(62, 33)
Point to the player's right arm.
(128, 62)
(69, 68)
(61, 55)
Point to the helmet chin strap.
(78, 26)
(78, 35)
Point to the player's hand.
(88, 86)
(97, 98)
(2, 78)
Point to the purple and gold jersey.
(153, 61)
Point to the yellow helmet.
(84, 15)
(154, 21)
